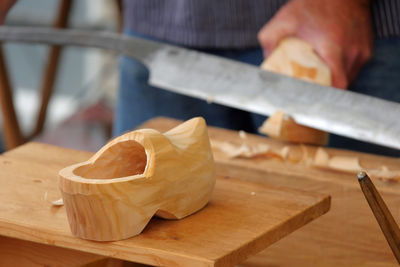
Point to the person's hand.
(339, 30)
(5, 5)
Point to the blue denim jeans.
(138, 101)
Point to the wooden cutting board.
(242, 218)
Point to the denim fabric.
(138, 102)
(380, 77)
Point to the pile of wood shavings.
(321, 159)
(247, 150)
(348, 164)
(386, 175)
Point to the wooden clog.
(142, 173)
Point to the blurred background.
(79, 113)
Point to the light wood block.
(295, 57)
(241, 219)
(283, 127)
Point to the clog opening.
(123, 159)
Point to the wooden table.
(346, 236)
(243, 218)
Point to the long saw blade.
(238, 84)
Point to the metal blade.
(239, 85)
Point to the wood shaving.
(273, 125)
(348, 164)
(306, 159)
(285, 152)
(210, 99)
(58, 202)
(345, 164)
(242, 135)
(338, 163)
(386, 175)
(321, 158)
(250, 151)
(245, 150)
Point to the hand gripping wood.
(296, 58)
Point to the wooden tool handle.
(382, 214)
(296, 58)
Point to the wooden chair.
(13, 136)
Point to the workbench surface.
(242, 218)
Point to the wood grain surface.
(138, 175)
(347, 236)
(241, 219)
(16, 252)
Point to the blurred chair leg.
(12, 133)
(120, 15)
(51, 68)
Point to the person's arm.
(5, 6)
(340, 32)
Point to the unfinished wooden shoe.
(142, 173)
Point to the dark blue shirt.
(227, 23)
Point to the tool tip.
(361, 175)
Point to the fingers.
(356, 57)
(339, 77)
(5, 6)
(352, 62)
(273, 32)
(333, 56)
(354, 67)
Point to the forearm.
(5, 6)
